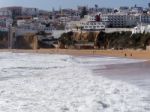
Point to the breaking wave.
(62, 83)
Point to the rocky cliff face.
(103, 40)
(85, 36)
(71, 39)
(3, 42)
(28, 41)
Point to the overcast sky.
(49, 4)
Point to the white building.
(116, 20)
(64, 19)
(145, 18)
(91, 25)
(72, 25)
(119, 20)
(89, 22)
(136, 9)
(92, 22)
(32, 26)
(141, 29)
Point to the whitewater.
(61, 83)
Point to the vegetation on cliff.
(102, 40)
(67, 39)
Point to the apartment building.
(5, 12)
(32, 26)
(5, 22)
(30, 11)
(92, 22)
(93, 26)
(145, 18)
(16, 11)
(119, 20)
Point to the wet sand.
(116, 53)
(134, 73)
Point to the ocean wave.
(70, 87)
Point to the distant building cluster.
(123, 17)
(83, 18)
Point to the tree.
(96, 7)
(115, 11)
(67, 39)
(83, 12)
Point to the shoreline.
(133, 54)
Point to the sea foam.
(62, 83)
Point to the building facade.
(5, 12)
(119, 20)
(92, 22)
(5, 23)
(16, 11)
(93, 26)
(30, 11)
(32, 26)
(145, 18)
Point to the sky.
(49, 4)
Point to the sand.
(136, 54)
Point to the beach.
(71, 80)
(134, 54)
(134, 73)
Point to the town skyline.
(50, 4)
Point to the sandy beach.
(135, 54)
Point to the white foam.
(61, 83)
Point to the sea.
(32, 82)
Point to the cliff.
(28, 41)
(85, 36)
(103, 40)
(3, 40)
